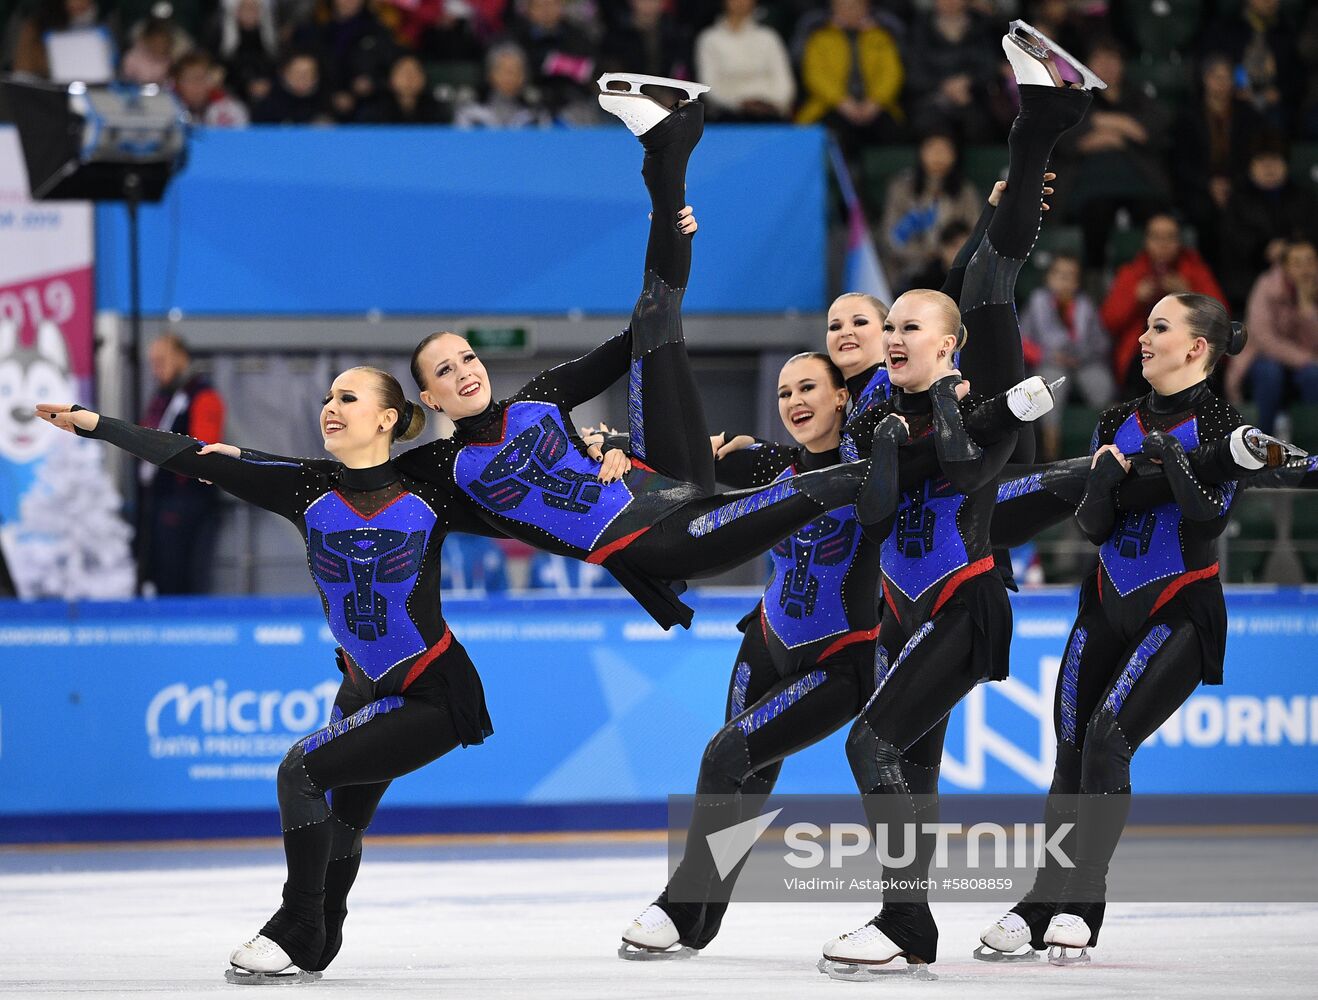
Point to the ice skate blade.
(858, 972)
(1057, 955)
(631, 83)
(635, 953)
(986, 954)
(241, 977)
(1040, 47)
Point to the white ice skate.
(261, 962)
(1034, 58)
(1068, 939)
(1253, 449)
(865, 955)
(1002, 941)
(621, 94)
(1032, 398)
(652, 936)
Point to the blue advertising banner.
(187, 705)
(416, 220)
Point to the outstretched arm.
(270, 484)
(1097, 511)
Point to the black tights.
(769, 717)
(895, 749)
(355, 757)
(666, 417)
(1112, 694)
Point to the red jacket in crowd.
(1126, 314)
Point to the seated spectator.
(1266, 209)
(1212, 140)
(296, 97)
(1282, 352)
(952, 73)
(1061, 20)
(245, 40)
(507, 102)
(1260, 40)
(152, 54)
(647, 41)
(560, 60)
(1062, 325)
(198, 85)
(1165, 266)
(746, 67)
(30, 56)
(1114, 158)
(438, 30)
(950, 239)
(407, 99)
(852, 74)
(355, 53)
(920, 201)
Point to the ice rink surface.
(543, 922)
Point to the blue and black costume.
(524, 469)
(410, 693)
(1151, 627)
(805, 667)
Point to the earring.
(941, 355)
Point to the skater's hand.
(686, 221)
(1115, 452)
(1000, 188)
(723, 447)
(63, 416)
(220, 448)
(615, 465)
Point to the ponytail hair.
(411, 418)
(835, 376)
(1209, 319)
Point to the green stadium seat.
(1304, 425)
(455, 77)
(878, 166)
(1078, 423)
(1163, 27)
(1304, 162)
(1123, 245)
(1164, 77)
(984, 166)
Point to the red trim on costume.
(599, 555)
(1100, 583)
(887, 596)
(850, 639)
(638, 464)
(960, 577)
(1184, 580)
(427, 658)
(367, 517)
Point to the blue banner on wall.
(442, 220)
(188, 705)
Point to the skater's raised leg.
(665, 412)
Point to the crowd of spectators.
(1190, 145)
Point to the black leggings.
(1112, 694)
(666, 418)
(986, 289)
(708, 535)
(895, 749)
(353, 759)
(769, 717)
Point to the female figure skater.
(804, 668)
(1152, 620)
(410, 694)
(947, 624)
(522, 467)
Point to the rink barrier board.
(450, 221)
(167, 718)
